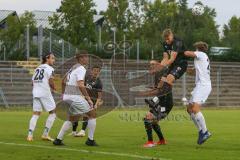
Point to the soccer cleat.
(58, 142)
(90, 142)
(81, 134)
(30, 138)
(161, 142)
(47, 138)
(149, 144)
(204, 137)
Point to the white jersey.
(75, 74)
(202, 67)
(40, 81)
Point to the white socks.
(193, 117)
(65, 127)
(201, 121)
(32, 124)
(49, 123)
(91, 128)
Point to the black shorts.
(178, 70)
(164, 101)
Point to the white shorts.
(78, 105)
(47, 103)
(200, 94)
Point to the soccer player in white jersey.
(202, 89)
(76, 95)
(42, 82)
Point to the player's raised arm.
(172, 58)
(165, 59)
(190, 54)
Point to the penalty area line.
(85, 151)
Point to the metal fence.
(36, 43)
(15, 81)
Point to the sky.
(225, 8)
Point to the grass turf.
(122, 132)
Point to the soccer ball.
(198, 9)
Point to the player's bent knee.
(92, 114)
(170, 79)
(149, 116)
(85, 118)
(195, 108)
(37, 113)
(74, 118)
(189, 109)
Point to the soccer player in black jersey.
(173, 59)
(158, 110)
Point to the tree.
(117, 16)
(231, 32)
(12, 36)
(231, 38)
(74, 21)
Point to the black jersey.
(177, 46)
(93, 85)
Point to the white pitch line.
(86, 151)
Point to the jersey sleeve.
(81, 74)
(50, 72)
(199, 55)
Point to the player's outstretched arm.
(168, 61)
(190, 54)
(165, 59)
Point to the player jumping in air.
(173, 59)
(94, 88)
(159, 109)
(42, 81)
(202, 89)
(78, 99)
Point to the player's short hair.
(46, 56)
(96, 66)
(81, 54)
(201, 46)
(167, 32)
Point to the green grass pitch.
(121, 135)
